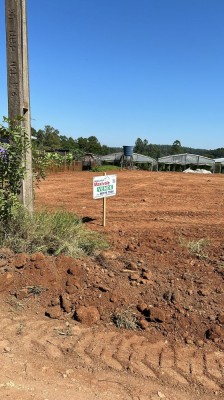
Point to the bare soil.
(65, 324)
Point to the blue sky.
(123, 69)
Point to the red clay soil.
(162, 276)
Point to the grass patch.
(35, 290)
(125, 319)
(105, 168)
(50, 233)
(196, 247)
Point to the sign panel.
(104, 186)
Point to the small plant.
(35, 290)
(19, 328)
(125, 319)
(197, 247)
(16, 305)
(220, 269)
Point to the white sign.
(104, 186)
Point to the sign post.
(104, 210)
(103, 187)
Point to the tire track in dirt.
(120, 351)
(133, 353)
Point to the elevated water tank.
(128, 151)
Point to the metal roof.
(186, 158)
(137, 158)
(219, 160)
(111, 157)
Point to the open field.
(67, 338)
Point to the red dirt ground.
(57, 314)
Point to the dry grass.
(50, 233)
(125, 319)
(196, 247)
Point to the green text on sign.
(104, 188)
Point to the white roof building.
(137, 158)
(186, 159)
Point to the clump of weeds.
(125, 319)
(51, 233)
(196, 247)
(35, 290)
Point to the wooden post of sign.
(104, 207)
(104, 210)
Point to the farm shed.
(89, 161)
(116, 158)
(178, 162)
(219, 165)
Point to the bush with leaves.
(14, 144)
(56, 159)
(40, 163)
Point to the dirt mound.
(121, 289)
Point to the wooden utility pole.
(18, 83)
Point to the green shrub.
(14, 144)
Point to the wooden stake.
(104, 210)
(104, 207)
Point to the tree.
(40, 139)
(68, 144)
(153, 151)
(104, 150)
(89, 145)
(176, 147)
(82, 143)
(141, 147)
(94, 145)
(138, 146)
(51, 138)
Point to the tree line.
(50, 139)
(161, 150)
